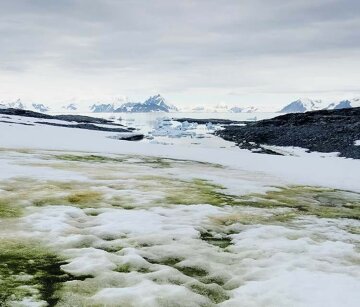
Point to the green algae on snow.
(88, 158)
(19, 192)
(199, 191)
(155, 162)
(148, 161)
(212, 291)
(80, 199)
(322, 202)
(302, 200)
(127, 268)
(254, 218)
(219, 241)
(30, 271)
(9, 208)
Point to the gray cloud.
(182, 46)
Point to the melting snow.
(155, 253)
(137, 230)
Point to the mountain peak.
(306, 104)
(153, 104)
(303, 105)
(157, 99)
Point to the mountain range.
(153, 104)
(306, 104)
(158, 104)
(18, 104)
(220, 108)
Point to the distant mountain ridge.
(158, 104)
(153, 104)
(344, 104)
(18, 104)
(306, 104)
(102, 108)
(244, 110)
(220, 108)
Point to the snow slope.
(312, 170)
(136, 230)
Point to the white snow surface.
(308, 169)
(139, 254)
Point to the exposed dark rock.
(322, 131)
(17, 123)
(67, 118)
(85, 126)
(75, 121)
(130, 137)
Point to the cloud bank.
(193, 52)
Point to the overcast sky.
(255, 52)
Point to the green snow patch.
(140, 191)
(302, 200)
(29, 271)
(213, 291)
(148, 161)
(18, 193)
(221, 241)
(199, 191)
(244, 218)
(9, 208)
(322, 202)
(88, 158)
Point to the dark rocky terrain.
(75, 121)
(67, 118)
(322, 131)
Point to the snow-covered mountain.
(39, 107)
(102, 108)
(154, 104)
(127, 107)
(198, 109)
(220, 108)
(158, 104)
(108, 107)
(343, 104)
(70, 107)
(18, 104)
(236, 110)
(303, 105)
(74, 107)
(243, 110)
